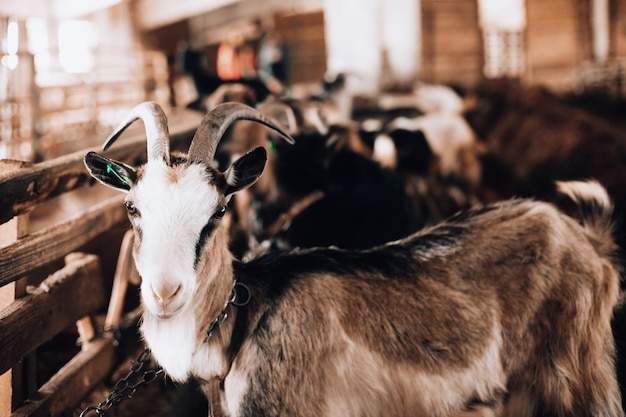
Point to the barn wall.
(451, 42)
(617, 15)
(302, 28)
(166, 38)
(558, 38)
(305, 37)
(553, 49)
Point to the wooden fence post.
(9, 233)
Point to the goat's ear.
(110, 172)
(245, 171)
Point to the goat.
(439, 98)
(433, 196)
(505, 307)
(452, 140)
(322, 190)
(532, 138)
(426, 98)
(352, 189)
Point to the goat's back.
(514, 297)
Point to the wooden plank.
(14, 381)
(6, 393)
(559, 77)
(306, 38)
(540, 10)
(73, 382)
(451, 7)
(125, 268)
(452, 44)
(53, 243)
(311, 18)
(457, 22)
(618, 29)
(23, 189)
(67, 295)
(458, 43)
(553, 50)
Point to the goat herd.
(425, 254)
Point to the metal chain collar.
(125, 388)
(223, 315)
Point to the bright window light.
(600, 25)
(68, 9)
(399, 23)
(38, 42)
(504, 15)
(77, 40)
(37, 35)
(10, 46)
(12, 38)
(503, 23)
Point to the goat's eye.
(220, 213)
(130, 208)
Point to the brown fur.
(523, 266)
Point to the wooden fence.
(59, 245)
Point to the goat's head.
(175, 204)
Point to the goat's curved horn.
(157, 132)
(279, 107)
(215, 124)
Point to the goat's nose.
(163, 294)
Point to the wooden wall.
(553, 48)
(559, 47)
(166, 38)
(451, 42)
(303, 31)
(618, 27)
(557, 40)
(305, 38)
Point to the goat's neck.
(215, 286)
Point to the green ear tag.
(110, 170)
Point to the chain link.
(223, 315)
(125, 388)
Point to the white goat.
(428, 98)
(437, 98)
(452, 140)
(505, 308)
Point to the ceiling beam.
(25, 8)
(152, 14)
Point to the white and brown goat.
(505, 308)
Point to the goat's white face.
(169, 208)
(175, 211)
(175, 208)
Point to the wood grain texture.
(64, 297)
(73, 381)
(51, 244)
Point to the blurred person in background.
(273, 60)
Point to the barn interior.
(450, 104)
